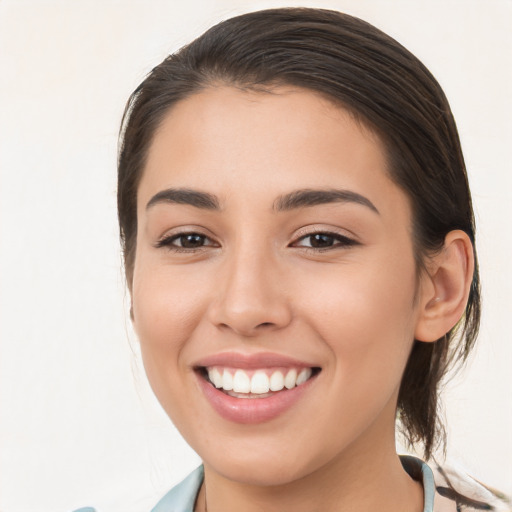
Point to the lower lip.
(252, 410)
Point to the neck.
(359, 480)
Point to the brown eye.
(185, 241)
(191, 241)
(319, 240)
(324, 241)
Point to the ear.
(444, 288)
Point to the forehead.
(267, 143)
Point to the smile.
(274, 382)
(260, 383)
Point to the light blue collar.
(182, 497)
(420, 471)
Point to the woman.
(299, 246)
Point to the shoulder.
(182, 497)
(465, 493)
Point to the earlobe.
(445, 293)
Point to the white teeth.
(291, 379)
(215, 377)
(276, 381)
(260, 383)
(241, 382)
(303, 376)
(227, 381)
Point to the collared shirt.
(182, 498)
(451, 489)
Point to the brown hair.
(386, 88)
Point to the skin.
(256, 285)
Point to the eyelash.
(168, 242)
(338, 242)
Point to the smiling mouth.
(258, 383)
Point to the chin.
(255, 471)
(265, 461)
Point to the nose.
(251, 297)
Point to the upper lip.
(251, 361)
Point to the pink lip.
(251, 361)
(251, 410)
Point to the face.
(274, 282)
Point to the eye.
(183, 242)
(324, 240)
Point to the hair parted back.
(385, 87)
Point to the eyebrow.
(202, 200)
(312, 197)
(302, 198)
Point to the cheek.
(166, 309)
(367, 319)
(166, 302)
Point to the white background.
(78, 424)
